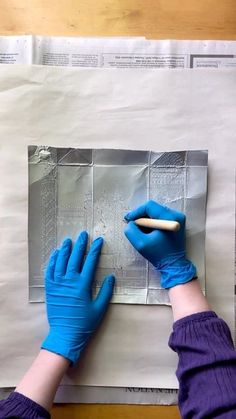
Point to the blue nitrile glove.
(72, 314)
(164, 249)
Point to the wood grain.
(185, 19)
(155, 19)
(114, 412)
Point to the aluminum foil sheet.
(91, 189)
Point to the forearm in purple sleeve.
(17, 405)
(207, 367)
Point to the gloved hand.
(164, 249)
(72, 314)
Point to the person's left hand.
(72, 313)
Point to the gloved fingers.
(105, 293)
(51, 265)
(141, 240)
(91, 261)
(134, 235)
(62, 258)
(156, 210)
(153, 209)
(149, 209)
(136, 213)
(77, 255)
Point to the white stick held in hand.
(158, 224)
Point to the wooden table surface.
(155, 19)
(181, 19)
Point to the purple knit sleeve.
(20, 407)
(207, 367)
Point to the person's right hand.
(164, 249)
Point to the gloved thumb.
(105, 293)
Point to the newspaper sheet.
(136, 52)
(108, 395)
